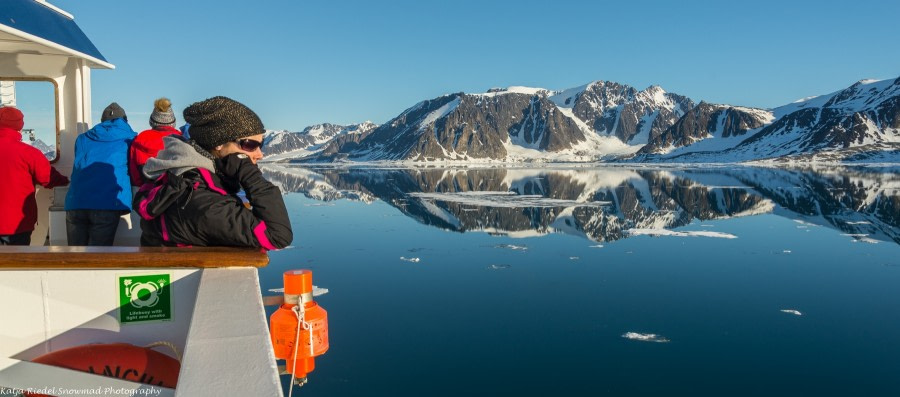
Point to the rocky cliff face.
(704, 121)
(630, 115)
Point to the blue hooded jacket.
(100, 172)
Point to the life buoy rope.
(170, 345)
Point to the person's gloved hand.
(234, 165)
(238, 168)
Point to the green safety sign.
(145, 297)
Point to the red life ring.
(117, 360)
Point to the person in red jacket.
(21, 167)
(149, 142)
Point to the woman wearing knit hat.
(193, 197)
(101, 191)
(149, 142)
(21, 166)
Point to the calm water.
(488, 282)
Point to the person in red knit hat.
(149, 142)
(21, 167)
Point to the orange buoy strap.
(301, 324)
(170, 345)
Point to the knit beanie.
(112, 112)
(11, 117)
(162, 113)
(219, 120)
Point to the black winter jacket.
(201, 208)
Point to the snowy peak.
(279, 145)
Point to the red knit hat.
(11, 117)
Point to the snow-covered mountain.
(859, 123)
(48, 150)
(278, 145)
(609, 121)
(587, 123)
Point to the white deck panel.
(229, 352)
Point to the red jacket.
(21, 167)
(145, 146)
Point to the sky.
(301, 62)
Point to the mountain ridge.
(606, 121)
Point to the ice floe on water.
(792, 311)
(665, 232)
(645, 337)
(413, 260)
(505, 200)
(512, 247)
(498, 267)
(318, 291)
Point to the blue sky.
(298, 63)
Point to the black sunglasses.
(248, 145)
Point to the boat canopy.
(35, 26)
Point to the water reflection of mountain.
(605, 204)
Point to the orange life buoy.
(284, 325)
(117, 360)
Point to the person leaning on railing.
(192, 199)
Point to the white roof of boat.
(35, 26)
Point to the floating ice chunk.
(792, 311)
(498, 267)
(511, 247)
(645, 337)
(665, 232)
(506, 199)
(413, 260)
(319, 291)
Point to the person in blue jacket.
(100, 189)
